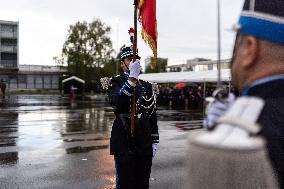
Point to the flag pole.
(135, 29)
(133, 103)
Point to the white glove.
(216, 109)
(135, 69)
(155, 149)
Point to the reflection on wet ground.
(81, 140)
(80, 149)
(30, 121)
(9, 158)
(164, 114)
(46, 121)
(183, 119)
(42, 129)
(190, 125)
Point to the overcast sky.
(186, 28)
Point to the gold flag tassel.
(149, 40)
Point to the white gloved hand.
(155, 149)
(216, 109)
(135, 69)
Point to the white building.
(9, 45)
(23, 76)
(148, 61)
(199, 64)
(34, 77)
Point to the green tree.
(157, 68)
(88, 49)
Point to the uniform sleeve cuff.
(131, 83)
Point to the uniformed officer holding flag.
(234, 146)
(133, 152)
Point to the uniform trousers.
(132, 172)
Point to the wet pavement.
(55, 142)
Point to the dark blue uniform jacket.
(146, 128)
(272, 121)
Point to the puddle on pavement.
(41, 122)
(75, 133)
(189, 125)
(8, 137)
(6, 143)
(9, 158)
(179, 115)
(81, 140)
(8, 129)
(80, 149)
(96, 139)
(73, 140)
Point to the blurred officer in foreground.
(133, 155)
(248, 133)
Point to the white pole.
(229, 85)
(204, 89)
(219, 43)
(117, 42)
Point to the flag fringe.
(141, 3)
(148, 39)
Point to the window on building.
(8, 56)
(22, 78)
(210, 66)
(8, 42)
(224, 66)
(7, 28)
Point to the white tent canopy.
(176, 77)
(75, 78)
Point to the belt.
(126, 115)
(123, 115)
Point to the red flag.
(147, 17)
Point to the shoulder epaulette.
(155, 88)
(105, 82)
(116, 76)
